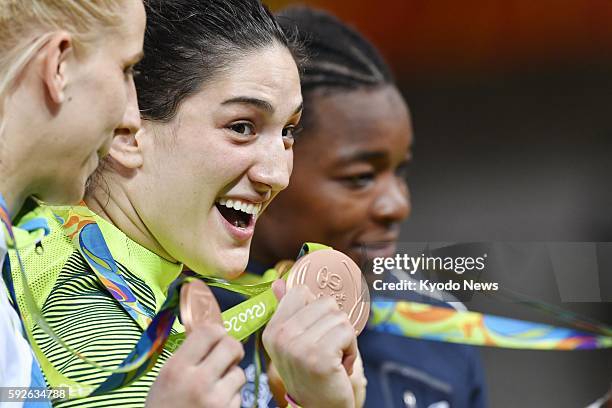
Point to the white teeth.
(243, 206)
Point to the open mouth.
(238, 213)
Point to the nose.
(131, 117)
(393, 203)
(272, 167)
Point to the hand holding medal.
(312, 334)
(311, 338)
(204, 370)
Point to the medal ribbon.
(80, 226)
(251, 315)
(423, 321)
(408, 319)
(87, 237)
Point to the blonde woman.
(219, 93)
(66, 90)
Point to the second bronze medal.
(198, 305)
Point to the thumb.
(279, 287)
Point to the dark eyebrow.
(364, 156)
(259, 103)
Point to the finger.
(333, 335)
(279, 287)
(232, 382)
(324, 323)
(236, 401)
(310, 315)
(275, 383)
(341, 339)
(198, 344)
(295, 299)
(227, 353)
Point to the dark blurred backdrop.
(512, 108)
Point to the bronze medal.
(198, 305)
(328, 272)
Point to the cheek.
(221, 167)
(112, 94)
(335, 211)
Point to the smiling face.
(348, 188)
(230, 145)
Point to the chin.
(230, 263)
(235, 265)
(63, 195)
(233, 273)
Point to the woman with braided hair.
(348, 190)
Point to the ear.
(126, 149)
(57, 52)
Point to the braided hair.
(338, 57)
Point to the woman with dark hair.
(348, 190)
(220, 98)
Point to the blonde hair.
(26, 25)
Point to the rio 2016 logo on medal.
(328, 272)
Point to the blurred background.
(512, 108)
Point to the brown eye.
(359, 181)
(243, 128)
(289, 131)
(288, 136)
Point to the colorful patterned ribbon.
(87, 237)
(422, 321)
(80, 226)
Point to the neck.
(12, 196)
(16, 177)
(263, 253)
(24, 131)
(118, 209)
